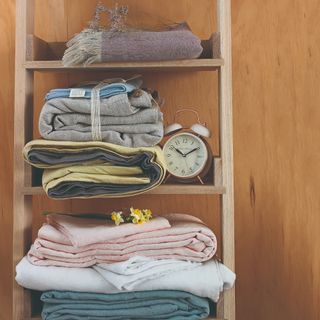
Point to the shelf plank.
(39, 318)
(194, 64)
(164, 189)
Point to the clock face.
(186, 155)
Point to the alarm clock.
(187, 154)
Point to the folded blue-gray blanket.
(160, 304)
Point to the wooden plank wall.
(277, 154)
(277, 158)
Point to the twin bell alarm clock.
(187, 154)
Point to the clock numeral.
(197, 163)
(171, 147)
(176, 168)
(192, 142)
(183, 171)
(199, 156)
(177, 142)
(185, 140)
(168, 155)
(171, 163)
(190, 169)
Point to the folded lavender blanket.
(126, 119)
(82, 242)
(92, 46)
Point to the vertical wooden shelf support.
(23, 107)
(227, 308)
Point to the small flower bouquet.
(137, 216)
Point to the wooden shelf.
(39, 318)
(164, 189)
(195, 64)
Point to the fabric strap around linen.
(95, 104)
(95, 113)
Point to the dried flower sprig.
(117, 18)
(137, 216)
(117, 217)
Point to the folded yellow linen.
(95, 169)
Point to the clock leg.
(167, 177)
(201, 181)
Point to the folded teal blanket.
(159, 304)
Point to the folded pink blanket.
(84, 231)
(76, 242)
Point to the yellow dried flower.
(147, 214)
(137, 216)
(117, 217)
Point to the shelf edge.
(162, 190)
(196, 64)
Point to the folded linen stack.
(83, 242)
(127, 115)
(91, 269)
(100, 141)
(95, 169)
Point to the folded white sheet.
(207, 280)
(129, 274)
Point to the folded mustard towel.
(95, 169)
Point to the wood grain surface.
(277, 158)
(276, 74)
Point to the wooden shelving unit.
(33, 54)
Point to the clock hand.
(193, 150)
(177, 150)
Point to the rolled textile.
(187, 239)
(93, 46)
(131, 120)
(95, 169)
(160, 304)
(207, 281)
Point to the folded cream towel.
(207, 280)
(129, 274)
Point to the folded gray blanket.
(158, 304)
(131, 120)
(92, 46)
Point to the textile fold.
(95, 169)
(171, 305)
(126, 119)
(207, 281)
(91, 46)
(64, 242)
